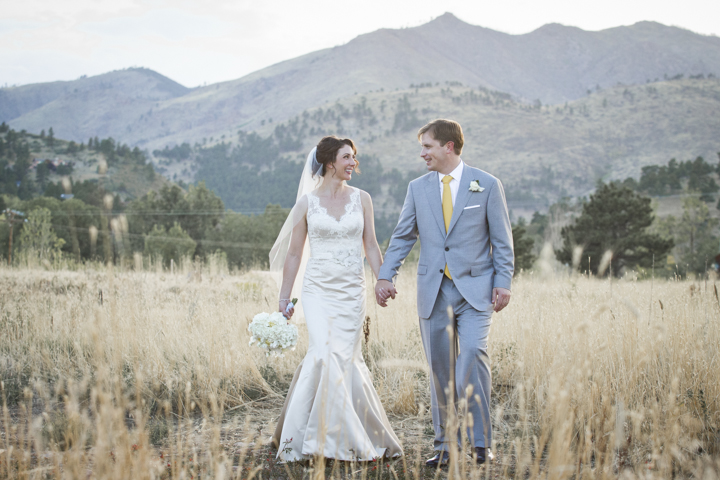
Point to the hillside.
(32, 165)
(541, 152)
(553, 64)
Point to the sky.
(197, 43)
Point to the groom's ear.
(450, 147)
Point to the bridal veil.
(310, 179)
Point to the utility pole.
(11, 214)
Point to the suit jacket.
(477, 248)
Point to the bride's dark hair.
(327, 150)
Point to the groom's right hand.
(384, 290)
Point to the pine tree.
(697, 243)
(523, 246)
(615, 219)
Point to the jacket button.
(442, 271)
(447, 249)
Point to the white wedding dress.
(332, 408)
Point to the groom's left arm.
(501, 240)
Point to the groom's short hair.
(445, 131)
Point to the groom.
(466, 265)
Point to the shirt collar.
(455, 174)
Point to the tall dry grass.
(112, 373)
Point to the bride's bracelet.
(284, 300)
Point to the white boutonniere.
(475, 186)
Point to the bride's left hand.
(283, 305)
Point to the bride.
(331, 408)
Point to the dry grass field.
(110, 373)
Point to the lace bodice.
(338, 241)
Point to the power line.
(157, 213)
(171, 239)
(162, 213)
(115, 234)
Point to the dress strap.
(313, 202)
(355, 199)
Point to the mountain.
(552, 64)
(103, 105)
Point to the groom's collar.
(455, 174)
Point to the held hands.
(500, 298)
(384, 290)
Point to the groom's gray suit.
(478, 250)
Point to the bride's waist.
(333, 272)
(323, 257)
(346, 257)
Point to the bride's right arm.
(294, 255)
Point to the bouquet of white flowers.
(273, 333)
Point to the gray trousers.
(461, 358)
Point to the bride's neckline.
(347, 206)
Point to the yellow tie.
(447, 210)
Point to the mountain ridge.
(552, 64)
(47, 92)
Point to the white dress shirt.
(454, 183)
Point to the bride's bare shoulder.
(359, 190)
(365, 197)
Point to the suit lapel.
(463, 195)
(432, 190)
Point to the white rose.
(475, 186)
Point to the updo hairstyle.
(327, 150)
